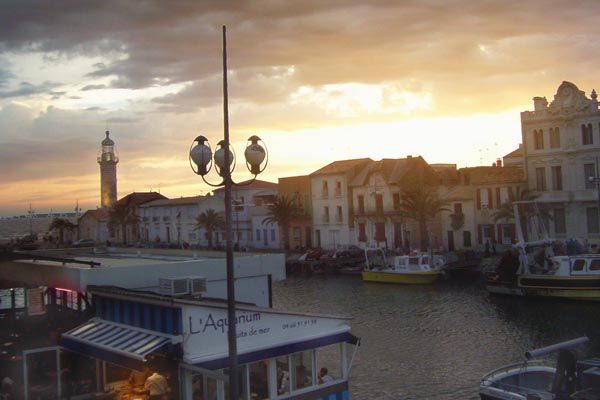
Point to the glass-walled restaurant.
(124, 344)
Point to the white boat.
(533, 269)
(411, 269)
(534, 380)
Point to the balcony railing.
(325, 193)
(166, 218)
(155, 219)
(337, 192)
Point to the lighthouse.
(108, 172)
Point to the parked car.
(84, 243)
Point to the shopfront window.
(302, 370)
(259, 380)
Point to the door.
(40, 373)
(318, 237)
(308, 237)
(450, 240)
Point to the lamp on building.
(201, 160)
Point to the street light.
(201, 156)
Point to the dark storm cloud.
(28, 89)
(326, 41)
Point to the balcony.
(145, 219)
(326, 219)
(339, 219)
(325, 194)
(156, 219)
(166, 218)
(337, 192)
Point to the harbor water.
(437, 341)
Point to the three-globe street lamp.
(201, 156)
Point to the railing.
(155, 219)
(337, 192)
(166, 219)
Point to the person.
(324, 376)
(7, 391)
(157, 387)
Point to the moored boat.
(416, 269)
(534, 380)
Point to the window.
(592, 220)
(578, 265)
(485, 199)
(560, 225)
(339, 214)
(361, 203)
(362, 233)
(556, 177)
(486, 231)
(540, 179)
(586, 134)
(272, 235)
(504, 196)
(302, 368)
(259, 379)
(396, 199)
(589, 170)
(457, 208)
(380, 232)
(338, 189)
(554, 138)
(296, 233)
(538, 139)
(379, 203)
(325, 189)
(595, 265)
(325, 214)
(467, 239)
(258, 234)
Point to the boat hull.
(571, 287)
(412, 278)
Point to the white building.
(561, 148)
(332, 202)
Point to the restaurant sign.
(205, 330)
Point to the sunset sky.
(317, 80)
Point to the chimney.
(499, 162)
(540, 103)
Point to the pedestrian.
(324, 376)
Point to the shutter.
(511, 195)
(478, 199)
(491, 202)
(497, 197)
(479, 234)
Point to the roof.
(394, 170)
(256, 184)
(493, 175)
(515, 153)
(107, 141)
(137, 198)
(193, 200)
(341, 167)
(98, 214)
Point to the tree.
(211, 221)
(61, 225)
(121, 216)
(421, 203)
(282, 211)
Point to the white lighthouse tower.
(108, 172)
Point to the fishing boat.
(532, 379)
(416, 269)
(534, 268)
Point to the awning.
(119, 344)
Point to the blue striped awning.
(117, 343)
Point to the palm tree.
(282, 211)
(61, 225)
(211, 221)
(422, 203)
(121, 216)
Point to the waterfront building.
(561, 149)
(126, 219)
(93, 224)
(108, 161)
(332, 212)
(376, 193)
(298, 190)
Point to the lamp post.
(201, 157)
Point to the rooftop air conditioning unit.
(173, 286)
(197, 285)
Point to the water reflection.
(435, 342)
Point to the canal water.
(435, 342)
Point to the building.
(376, 198)
(561, 149)
(126, 216)
(93, 224)
(332, 217)
(297, 189)
(108, 161)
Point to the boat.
(416, 269)
(532, 379)
(535, 268)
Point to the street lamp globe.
(220, 158)
(201, 155)
(255, 154)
